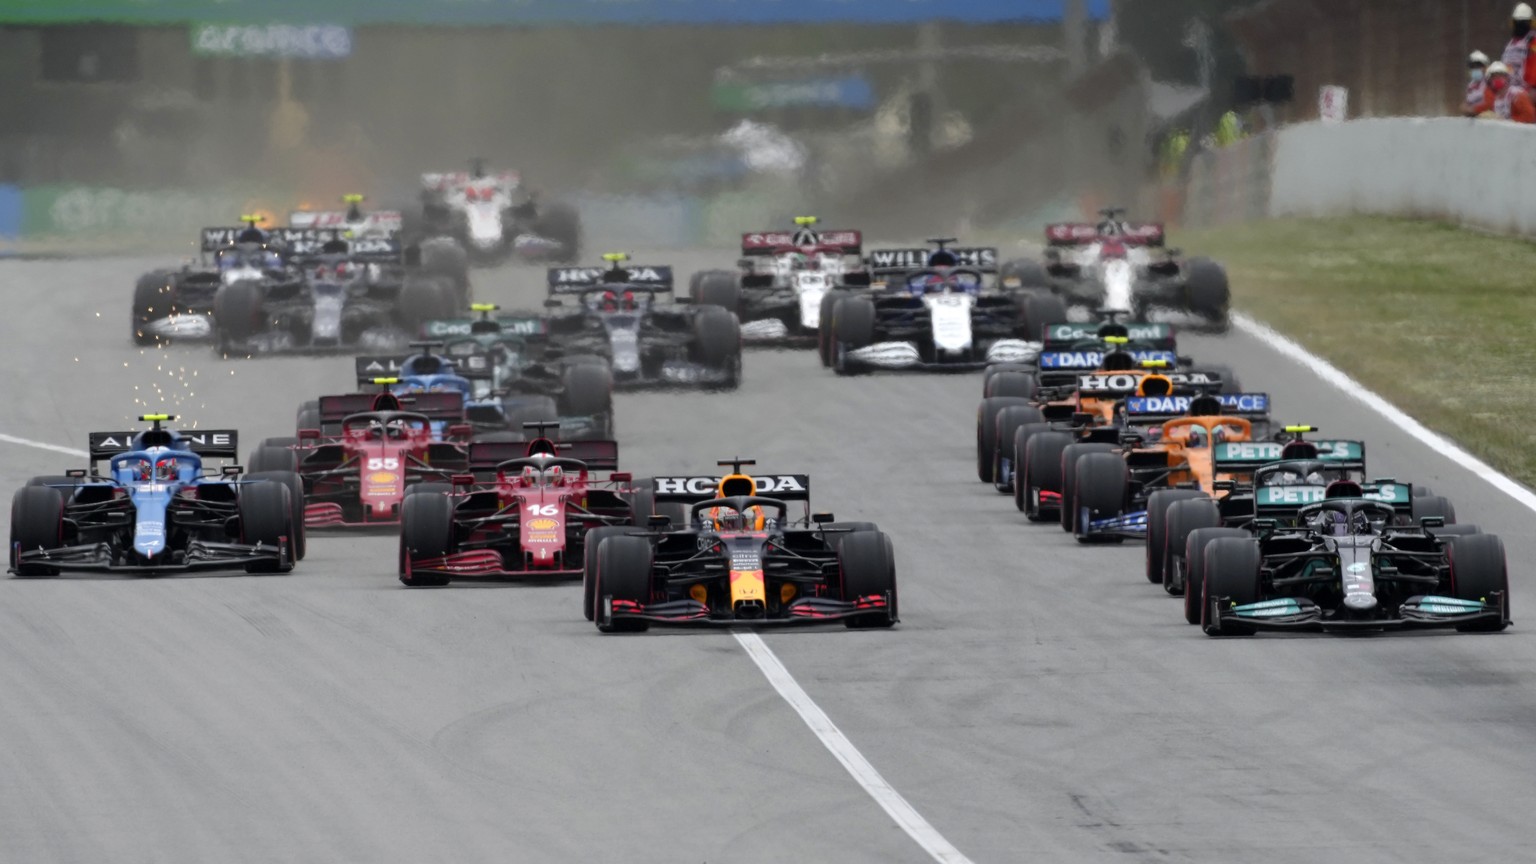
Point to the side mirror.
(309, 434)
(1432, 522)
(821, 518)
(461, 430)
(227, 471)
(621, 477)
(658, 521)
(1382, 481)
(746, 263)
(1264, 524)
(1223, 485)
(79, 473)
(463, 480)
(1082, 418)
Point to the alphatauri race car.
(740, 557)
(1123, 267)
(777, 292)
(617, 314)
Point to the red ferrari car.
(522, 511)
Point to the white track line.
(1354, 389)
(43, 445)
(905, 815)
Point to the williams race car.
(740, 557)
(532, 517)
(928, 309)
(155, 511)
(178, 303)
(618, 316)
(783, 276)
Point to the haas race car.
(740, 556)
(495, 218)
(783, 276)
(938, 309)
(618, 315)
(1123, 267)
(156, 511)
(524, 511)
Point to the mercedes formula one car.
(356, 476)
(740, 557)
(529, 515)
(1348, 564)
(617, 315)
(1124, 267)
(777, 292)
(934, 309)
(156, 511)
(494, 217)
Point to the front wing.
(806, 610)
(1416, 613)
(199, 556)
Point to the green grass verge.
(1439, 320)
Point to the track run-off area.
(1040, 701)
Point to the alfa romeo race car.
(357, 476)
(740, 558)
(783, 276)
(534, 517)
(155, 511)
(1349, 565)
(928, 310)
(1124, 267)
(504, 382)
(346, 295)
(494, 217)
(618, 316)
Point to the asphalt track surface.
(1039, 702)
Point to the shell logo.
(543, 525)
(382, 477)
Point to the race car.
(740, 558)
(1107, 488)
(503, 377)
(178, 303)
(532, 518)
(156, 511)
(494, 217)
(1347, 564)
(347, 295)
(777, 292)
(936, 309)
(618, 316)
(423, 257)
(356, 476)
(1123, 267)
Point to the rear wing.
(1064, 335)
(434, 406)
(1084, 233)
(379, 366)
(1053, 360)
(511, 325)
(575, 280)
(1247, 455)
(1269, 499)
(1245, 405)
(769, 242)
(209, 443)
(983, 258)
(484, 456)
(1124, 384)
(785, 487)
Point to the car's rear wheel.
(1206, 291)
(853, 327)
(588, 392)
(237, 315)
(719, 288)
(153, 299)
(825, 341)
(1157, 522)
(867, 563)
(1020, 384)
(717, 339)
(1039, 310)
(986, 431)
(1038, 451)
(1434, 505)
(1232, 577)
(1009, 421)
(1069, 458)
(269, 458)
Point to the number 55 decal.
(377, 464)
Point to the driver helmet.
(798, 260)
(146, 470)
(554, 476)
(610, 301)
(530, 475)
(166, 469)
(1330, 522)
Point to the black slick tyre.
(1181, 518)
(986, 431)
(717, 343)
(588, 392)
(867, 563)
(1157, 514)
(295, 486)
(1037, 454)
(1020, 384)
(718, 288)
(590, 543)
(426, 531)
(1231, 578)
(1009, 421)
(266, 518)
(1036, 312)
(1478, 571)
(1101, 486)
(1194, 566)
(1069, 458)
(37, 522)
(623, 574)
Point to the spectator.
(1506, 99)
(1477, 86)
(1517, 53)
